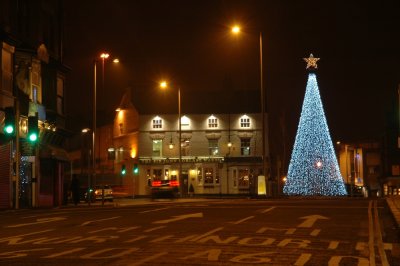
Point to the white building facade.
(221, 154)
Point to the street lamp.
(84, 144)
(164, 85)
(103, 56)
(236, 30)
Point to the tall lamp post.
(164, 85)
(236, 30)
(103, 56)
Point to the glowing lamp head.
(319, 164)
(163, 85)
(235, 29)
(104, 55)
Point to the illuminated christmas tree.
(313, 168)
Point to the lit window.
(212, 122)
(185, 147)
(199, 176)
(157, 148)
(245, 122)
(243, 178)
(245, 146)
(208, 176)
(213, 147)
(157, 122)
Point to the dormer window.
(245, 122)
(212, 122)
(157, 123)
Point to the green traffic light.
(136, 170)
(9, 129)
(33, 137)
(123, 172)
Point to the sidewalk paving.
(394, 205)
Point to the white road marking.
(310, 220)
(19, 253)
(63, 253)
(124, 252)
(180, 217)
(371, 236)
(315, 232)
(119, 230)
(135, 239)
(160, 209)
(333, 245)
(39, 221)
(243, 220)
(28, 234)
(154, 228)
(207, 234)
(267, 210)
(304, 257)
(155, 256)
(162, 238)
(378, 235)
(100, 220)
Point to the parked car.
(96, 193)
(354, 190)
(164, 188)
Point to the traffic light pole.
(17, 154)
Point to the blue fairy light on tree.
(313, 168)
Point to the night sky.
(189, 43)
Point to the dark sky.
(189, 43)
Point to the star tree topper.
(311, 62)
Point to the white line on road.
(315, 232)
(243, 220)
(39, 221)
(154, 228)
(140, 262)
(100, 220)
(267, 210)
(180, 217)
(207, 234)
(371, 236)
(333, 245)
(304, 257)
(64, 253)
(160, 209)
(378, 233)
(29, 234)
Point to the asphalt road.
(217, 232)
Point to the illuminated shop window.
(208, 176)
(243, 178)
(245, 146)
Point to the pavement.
(394, 205)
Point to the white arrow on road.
(180, 217)
(310, 220)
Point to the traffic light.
(33, 130)
(9, 121)
(123, 169)
(135, 169)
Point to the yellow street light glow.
(104, 55)
(116, 61)
(235, 29)
(85, 130)
(163, 84)
(118, 110)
